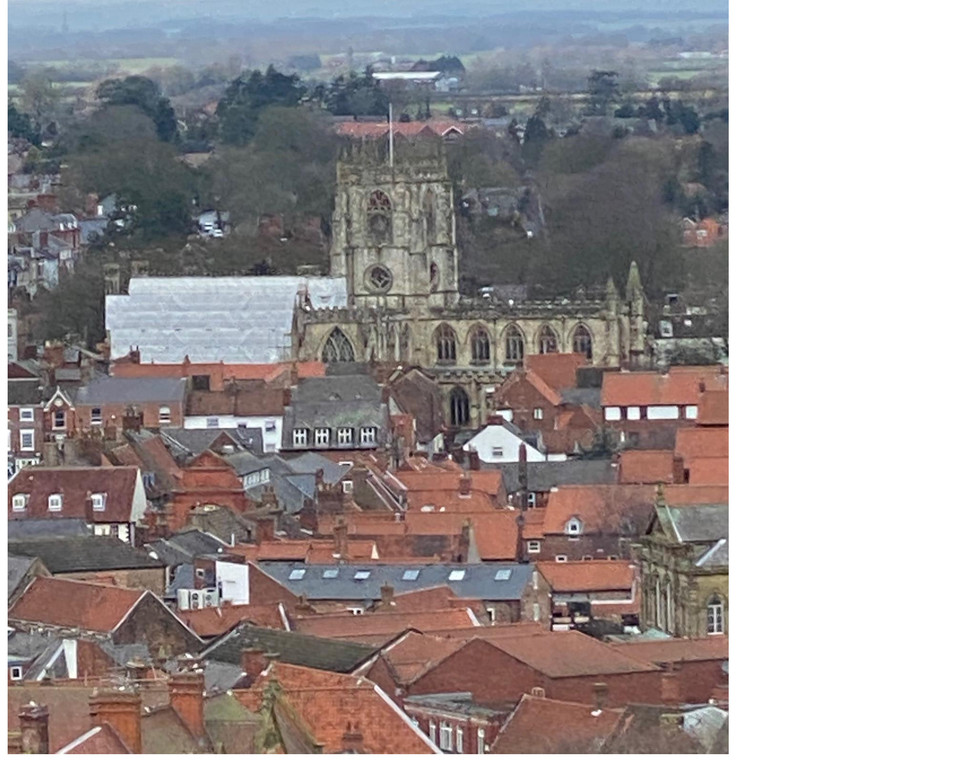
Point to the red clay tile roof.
(589, 576)
(383, 623)
(330, 705)
(646, 467)
(517, 629)
(547, 726)
(487, 481)
(69, 708)
(261, 401)
(75, 484)
(703, 442)
(709, 471)
(450, 501)
(680, 386)
(416, 653)
(557, 370)
(566, 654)
(78, 604)
(714, 408)
(100, 740)
(685, 495)
(433, 599)
(368, 130)
(213, 622)
(494, 532)
(598, 507)
(676, 649)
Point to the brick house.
(538, 725)
(111, 500)
(104, 402)
(207, 479)
(99, 611)
(581, 592)
(25, 423)
(455, 722)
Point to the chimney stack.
(186, 699)
(254, 661)
(265, 529)
(473, 457)
(386, 596)
(464, 486)
(340, 538)
(670, 686)
(600, 695)
(34, 730)
(121, 711)
(318, 479)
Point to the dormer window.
(20, 501)
(322, 437)
(574, 527)
(99, 502)
(345, 436)
(299, 438)
(164, 414)
(55, 502)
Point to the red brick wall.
(599, 547)
(522, 398)
(15, 425)
(469, 724)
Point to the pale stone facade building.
(395, 242)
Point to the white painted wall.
(271, 439)
(139, 505)
(235, 580)
(497, 436)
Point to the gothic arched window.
(446, 344)
(715, 616)
(430, 216)
(547, 341)
(583, 341)
(459, 407)
(513, 342)
(379, 217)
(338, 348)
(480, 346)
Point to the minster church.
(395, 245)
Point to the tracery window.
(446, 344)
(459, 407)
(338, 348)
(480, 346)
(379, 217)
(548, 341)
(513, 340)
(583, 341)
(379, 278)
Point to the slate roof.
(335, 401)
(184, 546)
(589, 396)
(17, 567)
(544, 475)
(22, 530)
(705, 522)
(195, 441)
(290, 647)
(24, 392)
(109, 389)
(86, 553)
(479, 580)
(221, 676)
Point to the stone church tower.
(395, 243)
(394, 229)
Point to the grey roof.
(24, 392)
(544, 475)
(290, 647)
(245, 462)
(17, 567)
(308, 463)
(335, 401)
(21, 530)
(90, 228)
(233, 319)
(715, 556)
(125, 653)
(26, 646)
(582, 396)
(479, 580)
(183, 547)
(705, 522)
(182, 579)
(219, 676)
(461, 702)
(84, 553)
(192, 442)
(110, 389)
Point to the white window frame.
(459, 739)
(433, 732)
(20, 502)
(368, 435)
(481, 739)
(573, 527)
(344, 435)
(16, 673)
(270, 425)
(59, 413)
(492, 615)
(55, 502)
(347, 486)
(96, 416)
(99, 501)
(321, 437)
(560, 558)
(633, 413)
(446, 736)
(690, 412)
(533, 547)
(29, 434)
(300, 437)
(531, 500)
(457, 574)
(666, 412)
(538, 414)
(611, 413)
(26, 414)
(163, 415)
(496, 451)
(715, 617)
